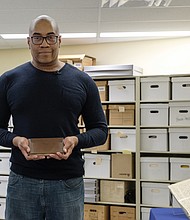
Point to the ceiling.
(74, 16)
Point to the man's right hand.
(22, 144)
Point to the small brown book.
(45, 146)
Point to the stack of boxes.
(4, 172)
(91, 190)
(165, 117)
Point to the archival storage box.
(122, 165)
(154, 114)
(3, 185)
(2, 208)
(103, 89)
(121, 114)
(145, 213)
(96, 212)
(179, 140)
(155, 88)
(180, 88)
(123, 139)
(4, 163)
(78, 60)
(122, 213)
(121, 90)
(113, 70)
(180, 168)
(155, 168)
(113, 191)
(155, 194)
(179, 113)
(99, 164)
(154, 140)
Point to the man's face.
(44, 53)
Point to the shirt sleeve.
(94, 119)
(6, 136)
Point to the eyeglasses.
(50, 39)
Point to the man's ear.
(28, 42)
(59, 41)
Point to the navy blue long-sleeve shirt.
(47, 104)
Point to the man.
(45, 98)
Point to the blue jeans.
(34, 199)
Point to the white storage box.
(155, 194)
(121, 90)
(113, 70)
(175, 203)
(3, 185)
(155, 88)
(2, 208)
(180, 169)
(145, 213)
(4, 163)
(123, 139)
(154, 114)
(179, 113)
(154, 140)
(97, 165)
(179, 140)
(155, 168)
(180, 88)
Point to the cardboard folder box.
(113, 190)
(78, 60)
(122, 213)
(103, 89)
(121, 114)
(122, 166)
(96, 212)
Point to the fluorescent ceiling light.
(14, 36)
(146, 34)
(63, 35)
(78, 35)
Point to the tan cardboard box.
(96, 212)
(122, 213)
(103, 89)
(113, 191)
(122, 166)
(78, 60)
(121, 114)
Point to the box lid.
(2, 200)
(179, 130)
(180, 79)
(153, 131)
(180, 160)
(7, 155)
(121, 82)
(4, 178)
(122, 132)
(155, 185)
(95, 156)
(179, 104)
(121, 108)
(155, 79)
(154, 106)
(154, 159)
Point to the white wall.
(171, 56)
(168, 56)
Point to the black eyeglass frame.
(46, 38)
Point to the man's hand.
(22, 144)
(69, 144)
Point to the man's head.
(44, 40)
